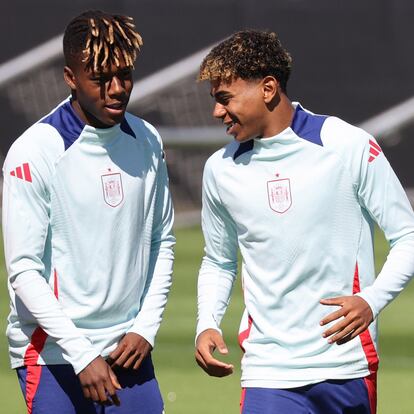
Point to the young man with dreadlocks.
(298, 194)
(87, 220)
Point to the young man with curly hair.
(87, 221)
(298, 194)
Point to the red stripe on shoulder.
(375, 145)
(19, 173)
(27, 174)
(373, 151)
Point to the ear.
(69, 77)
(270, 88)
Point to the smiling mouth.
(230, 127)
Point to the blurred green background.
(187, 390)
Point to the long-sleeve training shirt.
(87, 222)
(301, 206)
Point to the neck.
(279, 117)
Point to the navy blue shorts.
(356, 396)
(56, 389)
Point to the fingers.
(130, 352)
(332, 317)
(102, 393)
(207, 343)
(129, 359)
(115, 354)
(138, 362)
(220, 345)
(355, 316)
(114, 379)
(339, 331)
(213, 366)
(99, 383)
(119, 361)
(333, 301)
(86, 392)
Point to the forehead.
(231, 86)
(81, 65)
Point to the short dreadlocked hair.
(101, 39)
(248, 54)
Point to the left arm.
(139, 340)
(382, 196)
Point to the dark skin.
(98, 379)
(355, 315)
(130, 352)
(260, 108)
(99, 383)
(100, 100)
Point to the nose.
(219, 110)
(116, 87)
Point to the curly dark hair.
(100, 39)
(248, 54)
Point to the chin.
(113, 121)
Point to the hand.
(207, 342)
(356, 313)
(99, 382)
(130, 352)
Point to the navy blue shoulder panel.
(244, 147)
(308, 126)
(127, 129)
(66, 122)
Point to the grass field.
(187, 390)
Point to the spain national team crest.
(279, 195)
(112, 189)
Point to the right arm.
(26, 220)
(216, 276)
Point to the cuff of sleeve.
(86, 358)
(147, 334)
(203, 326)
(78, 352)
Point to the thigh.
(340, 397)
(140, 393)
(273, 401)
(53, 389)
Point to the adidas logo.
(374, 150)
(22, 172)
